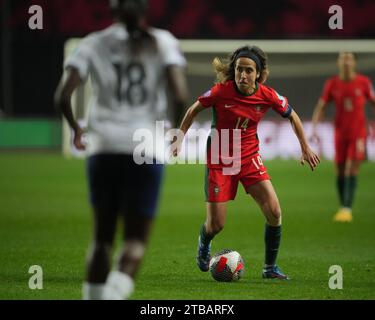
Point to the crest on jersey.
(216, 190)
(281, 98)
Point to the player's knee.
(274, 214)
(272, 221)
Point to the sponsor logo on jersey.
(216, 190)
(358, 92)
(229, 105)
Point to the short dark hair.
(138, 7)
(132, 14)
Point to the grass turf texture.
(45, 220)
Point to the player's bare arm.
(188, 119)
(307, 154)
(63, 102)
(190, 114)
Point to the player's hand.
(175, 147)
(77, 139)
(310, 157)
(176, 143)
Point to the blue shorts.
(118, 184)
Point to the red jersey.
(234, 110)
(350, 99)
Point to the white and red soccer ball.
(227, 265)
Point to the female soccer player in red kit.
(239, 101)
(349, 91)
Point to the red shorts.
(221, 188)
(353, 148)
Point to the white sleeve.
(171, 52)
(80, 58)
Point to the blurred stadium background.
(36, 182)
(31, 60)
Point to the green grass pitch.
(45, 220)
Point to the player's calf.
(131, 256)
(98, 262)
(98, 269)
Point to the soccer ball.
(227, 265)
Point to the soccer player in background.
(130, 64)
(239, 101)
(349, 91)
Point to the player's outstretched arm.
(188, 119)
(63, 96)
(307, 154)
(189, 116)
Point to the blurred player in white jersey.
(131, 65)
